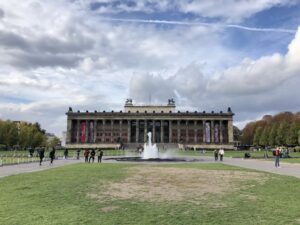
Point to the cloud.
(268, 84)
(56, 54)
(254, 76)
(191, 23)
(227, 10)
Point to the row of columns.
(212, 124)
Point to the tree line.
(22, 134)
(280, 129)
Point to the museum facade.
(168, 126)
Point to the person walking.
(52, 155)
(277, 157)
(92, 157)
(86, 155)
(216, 154)
(41, 152)
(100, 154)
(66, 153)
(78, 154)
(221, 153)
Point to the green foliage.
(292, 137)
(21, 133)
(281, 129)
(264, 138)
(257, 135)
(53, 142)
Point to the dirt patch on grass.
(160, 184)
(109, 208)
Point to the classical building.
(168, 126)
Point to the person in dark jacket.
(66, 153)
(92, 157)
(78, 154)
(86, 155)
(41, 152)
(216, 154)
(52, 155)
(100, 154)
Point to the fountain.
(151, 154)
(150, 150)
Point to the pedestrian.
(100, 154)
(66, 153)
(221, 153)
(92, 157)
(52, 155)
(216, 154)
(86, 155)
(277, 157)
(78, 154)
(41, 152)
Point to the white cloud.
(228, 10)
(56, 54)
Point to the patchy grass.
(149, 194)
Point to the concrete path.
(288, 169)
(33, 167)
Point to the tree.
(257, 135)
(282, 133)
(53, 142)
(272, 135)
(248, 134)
(292, 136)
(264, 138)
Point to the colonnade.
(163, 131)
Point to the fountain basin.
(140, 159)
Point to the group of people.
(41, 153)
(217, 153)
(90, 155)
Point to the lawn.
(149, 194)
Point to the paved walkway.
(288, 169)
(33, 167)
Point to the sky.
(94, 54)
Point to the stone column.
(153, 131)
(221, 132)
(86, 131)
(78, 132)
(212, 131)
(195, 130)
(103, 130)
(129, 131)
(230, 131)
(69, 131)
(204, 130)
(137, 131)
(161, 131)
(95, 131)
(145, 130)
(120, 129)
(187, 137)
(178, 131)
(112, 131)
(170, 131)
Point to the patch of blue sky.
(287, 17)
(257, 44)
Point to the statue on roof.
(128, 101)
(171, 101)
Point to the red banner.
(83, 132)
